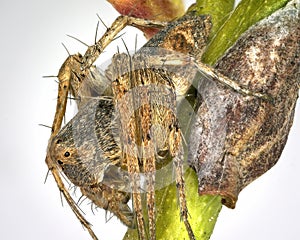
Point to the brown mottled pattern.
(138, 95)
(88, 152)
(145, 101)
(95, 147)
(265, 59)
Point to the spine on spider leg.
(64, 76)
(94, 51)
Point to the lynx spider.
(73, 72)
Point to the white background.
(31, 33)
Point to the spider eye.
(67, 154)
(163, 153)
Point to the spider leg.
(134, 175)
(64, 76)
(149, 167)
(120, 23)
(130, 158)
(71, 74)
(178, 164)
(177, 60)
(209, 71)
(69, 199)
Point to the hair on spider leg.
(142, 188)
(66, 49)
(74, 98)
(93, 74)
(135, 44)
(93, 207)
(50, 76)
(96, 207)
(74, 189)
(64, 177)
(61, 198)
(70, 97)
(74, 203)
(95, 40)
(84, 228)
(83, 200)
(64, 119)
(76, 75)
(77, 39)
(47, 174)
(43, 125)
(67, 181)
(102, 21)
(127, 50)
(119, 36)
(108, 218)
(91, 203)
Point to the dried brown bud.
(237, 138)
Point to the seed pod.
(237, 138)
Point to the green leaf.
(218, 10)
(247, 13)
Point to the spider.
(127, 127)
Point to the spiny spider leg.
(217, 76)
(178, 60)
(94, 51)
(181, 189)
(64, 77)
(71, 75)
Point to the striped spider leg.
(72, 75)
